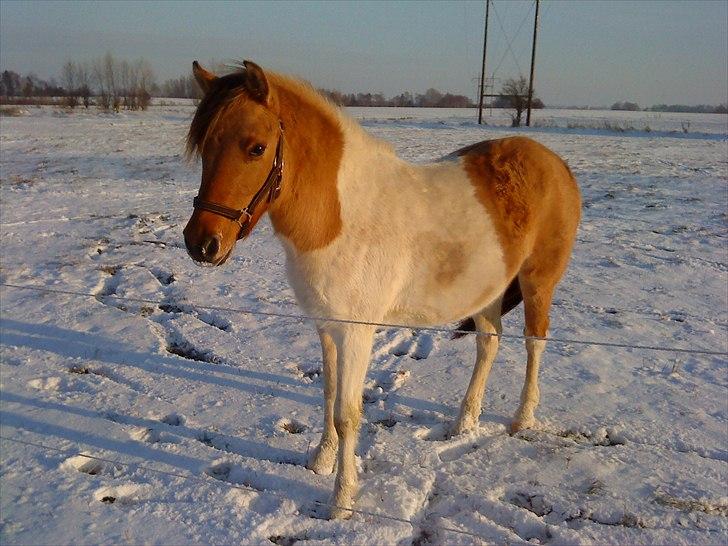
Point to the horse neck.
(308, 213)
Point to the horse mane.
(233, 88)
(225, 91)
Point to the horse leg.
(537, 293)
(353, 348)
(324, 457)
(487, 321)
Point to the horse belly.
(452, 283)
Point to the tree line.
(432, 98)
(698, 109)
(106, 82)
(114, 84)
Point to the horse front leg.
(353, 347)
(323, 458)
(488, 325)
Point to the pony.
(371, 238)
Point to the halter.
(271, 186)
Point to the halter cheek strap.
(271, 187)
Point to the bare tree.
(69, 81)
(515, 93)
(121, 83)
(10, 82)
(83, 81)
(144, 83)
(97, 71)
(109, 73)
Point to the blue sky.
(588, 52)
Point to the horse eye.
(257, 150)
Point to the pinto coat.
(369, 237)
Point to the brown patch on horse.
(528, 192)
(450, 261)
(533, 200)
(308, 212)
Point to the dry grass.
(12, 111)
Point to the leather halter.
(271, 186)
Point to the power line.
(510, 42)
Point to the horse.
(371, 238)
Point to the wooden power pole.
(482, 72)
(533, 64)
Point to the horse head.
(237, 133)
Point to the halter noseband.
(271, 186)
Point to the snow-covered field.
(204, 416)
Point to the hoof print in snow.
(99, 248)
(174, 419)
(417, 346)
(165, 278)
(220, 471)
(311, 374)
(398, 379)
(385, 423)
(46, 383)
(122, 494)
(230, 473)
(438, 433)
(601, 437)
(110, 269)
(148, 435)
(284, 540)
(153, 436)
(291, 426)
(186, 350)
(210, 440)
(536, 504)
(170, 308)
(84, 464)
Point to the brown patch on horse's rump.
(533, 200)
(308, 212)
(528, 192)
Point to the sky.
(588, 52)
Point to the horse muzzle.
(206, 248)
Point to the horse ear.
(203, 77)
(256, 83)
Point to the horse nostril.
(210, 247)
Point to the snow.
(631, 445)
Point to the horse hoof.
(323, 460)
(522, 424)
(462, 426)
(323, 466)
(339, 512)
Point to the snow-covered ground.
(204, 416)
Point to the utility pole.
(533, 64)
(482, 72)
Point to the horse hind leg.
(486, 322)
(537, 287)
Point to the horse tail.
(511, 298)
